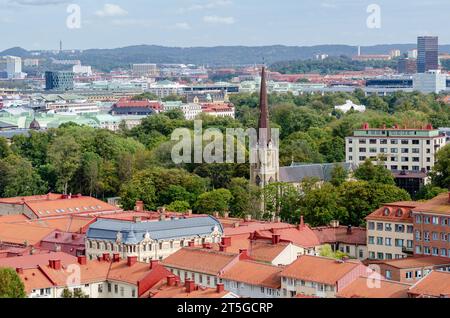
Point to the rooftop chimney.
(220, 288)
(191, 244)
(171, 280)
(137, 219)
(226, 241)
(19, 270)
(116, 257)
(248, 218)
(105, 257)
(82, 260)
(222, 248)
(216, 215)
(275, 239)
(226, 215)
(55, 264)
(153, 263)
(74, 237)
(349, 230)
(190, 286)
(302, 223)
(139, 206)
(131, 260)
(334, 224)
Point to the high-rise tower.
(428, 53)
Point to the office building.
(407, 66)
(430, 82)
(61, 81)
(428, 52)
(401, 149)
(145, 70)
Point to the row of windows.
(318, 286)
(383, 256)
(386, 150)
(434, 251)
(392, 141)
(435, 220)
(387, 241)
(398, 228)
(427, 236)
(203, 280)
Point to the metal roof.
(132, 233)
(296, 173)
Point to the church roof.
(296, 173)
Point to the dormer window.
(386, 212)
(399, 213)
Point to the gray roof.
(296, 173)
(132, 233)
(8, 134)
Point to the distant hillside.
(107, 59)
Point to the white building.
(430, 82)
(153, 240)
(349, 105)
(401, 149)
(82, 70)
(145, 69)
(191, 110)
(14, 67)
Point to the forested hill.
(221, 55)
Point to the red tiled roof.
(319, 269)
(299, 235)
(416, 262)
(435, 284)
(21, 233)
(162, 290)
(391, 212)
(254, 273)
(32, 261)
(438, 205)
(329, 234)
(364, 287)
(200, 260)
(265, 251)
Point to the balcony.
(408, 250)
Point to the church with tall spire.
(265, 167)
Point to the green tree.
(11, 286)
(339, 175)
(64, 155)
(440, 174)
(429, 191)
(5, 151)
(179, 206)
(214, 201)
(376, 173)
(327, 251)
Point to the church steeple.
(264, 135)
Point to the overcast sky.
(40, 24)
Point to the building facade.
(427, 53)
(59, 80)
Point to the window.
(380, 256)
(361, 254)
(409, 244)
(388, 274)
(388, 256)
(409, 275)
(362, 149)
(373, 141)
(419, 274)
(373, 150)
(362, 141)
(416, 150)
(133, 293)
(405, 142)
(371, 240)
(435, 251)
(379, 241)
(379, 226)
(394, 150)
(418, 219)
(426, 236)
(362, 158)
(443, 252)
(371, 225)
(394, 142)
(435, 236)
(435, 220)
(109, 287)
(399, 228)
(444, 237)
(383, 141)
(122, 291)
(410, 229)
(372, 255)
(388, 227)
(418, 235)
(415, 142)
(405, 150)
(100, 288)
(116, 288)
(444, 221)
(418, 249)
(398, 242)
(388, 241)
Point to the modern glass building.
(60, 81)
(428, 53)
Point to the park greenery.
(11, 286)
(136, 164)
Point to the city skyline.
(111, 24)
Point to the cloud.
(133, 22)
(207, 5)
(38, 2)
(182, 26)
(214, 19)
(111, 10)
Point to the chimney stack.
(349, 230)
(137, 219)
(222, 248)
(276, 239)
(302, 223)
(116, 257)
(226, 215)
(19, 270)
(82, 260)
(55, 264)
(191, 244)
(153, 263)
(220, 288)
(131, 260)
(190, 286)
(105, 257)
(171, 280)
(139, 206)
(226, 241)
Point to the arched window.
(258, 180)
(399, 213)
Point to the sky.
(84, 24)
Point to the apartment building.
(320, 276)
(432, 227)
(150, 240)
(390, 231)
(401, 149)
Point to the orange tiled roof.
(329, 234)
(32, 261)
(13, 218)
(391, 212)
(435, 284)
(200, 260)
(319, 269)
(162, 290)
(21, 200)
(21, 233)
(265, 251)
(34, 278)
(254, 273)
(364, 287)
(68, 223)
(416, 262)
(299, 235)
(438, 205)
